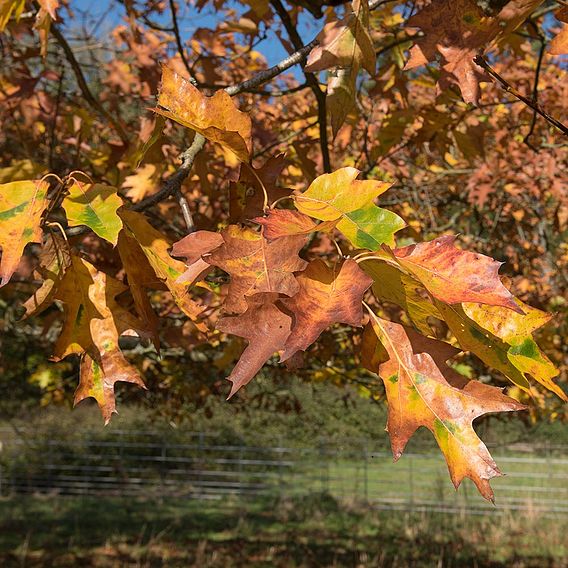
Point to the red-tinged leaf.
(191, 248)
(453, 275)
(286, 222)
(326, 296)
(455, 31)
(257, 265)
(345, 43)
(265, 327)
(216, 118)
(419, 394)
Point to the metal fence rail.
(201, 467)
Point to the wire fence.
(201, 466)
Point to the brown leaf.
(457, 30)
(286, 222)
(265, 327)
(54, 259)
(257, 265)
(326, 296)
(453, 275)
(191, 248)
(216, 118)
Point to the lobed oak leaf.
(22, 204)
(97, 378)
(419, 394)
(257, 265)
(216, 118)
(266, 329)
(345, 43)
(326, 296)
(330, 196)
(55, 259)
(516, 331)
(95, 206)
(156, 247)
(453, 275)
(191, 248)
(457, 30)
(559, 43)
(285, 222)
(339, 196)
(246, 196)
(141, 184)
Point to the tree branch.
(84, 87)
(480, 60)
(311, 80)
(179, 43)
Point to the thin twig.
(480, 60)
(312, 82)
(179, 43)
(82, 82)
(542, 40)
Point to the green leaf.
(370, 227)
(95, 206)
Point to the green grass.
(311, 531)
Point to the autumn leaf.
(95, 206)
(265, 327)
(285, 222)
(9, 9)
(326, 296)
(392, 285)
(216, 118)
(418, 394)
(22, 204)
(141, 278)
(346, 46)
(247, 195)
(345, 43)
(339, 196)
(453, 275)
(516, 330)
(97, 377)
(257, 265)
(54, 260)
(489, 348)
(141, 184)
(456, 31)
(156, 247)
(559, 44)
(340, 99)
(191, 248)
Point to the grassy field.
(309, 532)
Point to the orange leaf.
(327, 296)
(257, 265)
